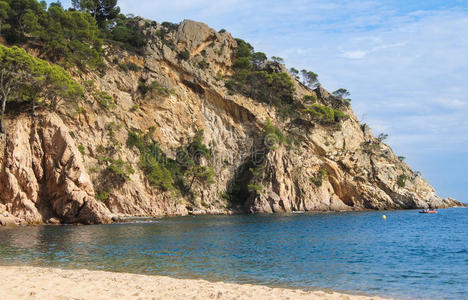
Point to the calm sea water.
(408, 255)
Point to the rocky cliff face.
(43, 178)
(55, 165)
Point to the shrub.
(203, 65)
(325, 115)
(156, 87)
(370, 146)
(120, 168)
(133, 67)
(184, 55)
(129, 67)
(267, 86)
(310, 98)
(401, 180)
(222, 30)
(382, 137)
(156, 173)
(135, 139)
(242, 63)
(102, 196)
(230, 85)
(219, 76)
(104, 99)
(81, 149)
(196, 147)
(127, 31)
(273, 136)
(111, 127)
(320, 177)
(276, 89)
(226, 196)
(254, 188)
(168, 174)
(170, 26)
(168, 43)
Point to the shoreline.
(11, 221)
(25, 282)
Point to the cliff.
(78, 165)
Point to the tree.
(53, 83)
(341, 93)
(382, 137)
(13, 67)
(127, 31)
(242, 63)
(309, 79)
(71, 35)
(23, 15)
(24, 77)
(277, 59)
(294, 72)
(61, 36)
(258, 58)
(101, 10)
(4, 10)
(43, 4)
(9, 78)
(244, 49)
(195, 151)
(201, 174)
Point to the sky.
(404, 62)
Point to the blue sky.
(404, 62)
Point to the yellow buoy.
(384, 217)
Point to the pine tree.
(101, 10)
(24, 77)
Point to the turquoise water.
(408, 255)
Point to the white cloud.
(356, 54)
(359, 54)
(451, 103)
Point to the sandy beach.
(48, 283)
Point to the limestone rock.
(193, 34)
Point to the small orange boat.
(428, 211)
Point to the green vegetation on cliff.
(254, 79)
(67, 37)
(325, 115)
(318, 178)
(24, 78)
(72, 37)
(173, 174)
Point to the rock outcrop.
(55, 164)
(43, 177)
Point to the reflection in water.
(354, 252)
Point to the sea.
(406, 255)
